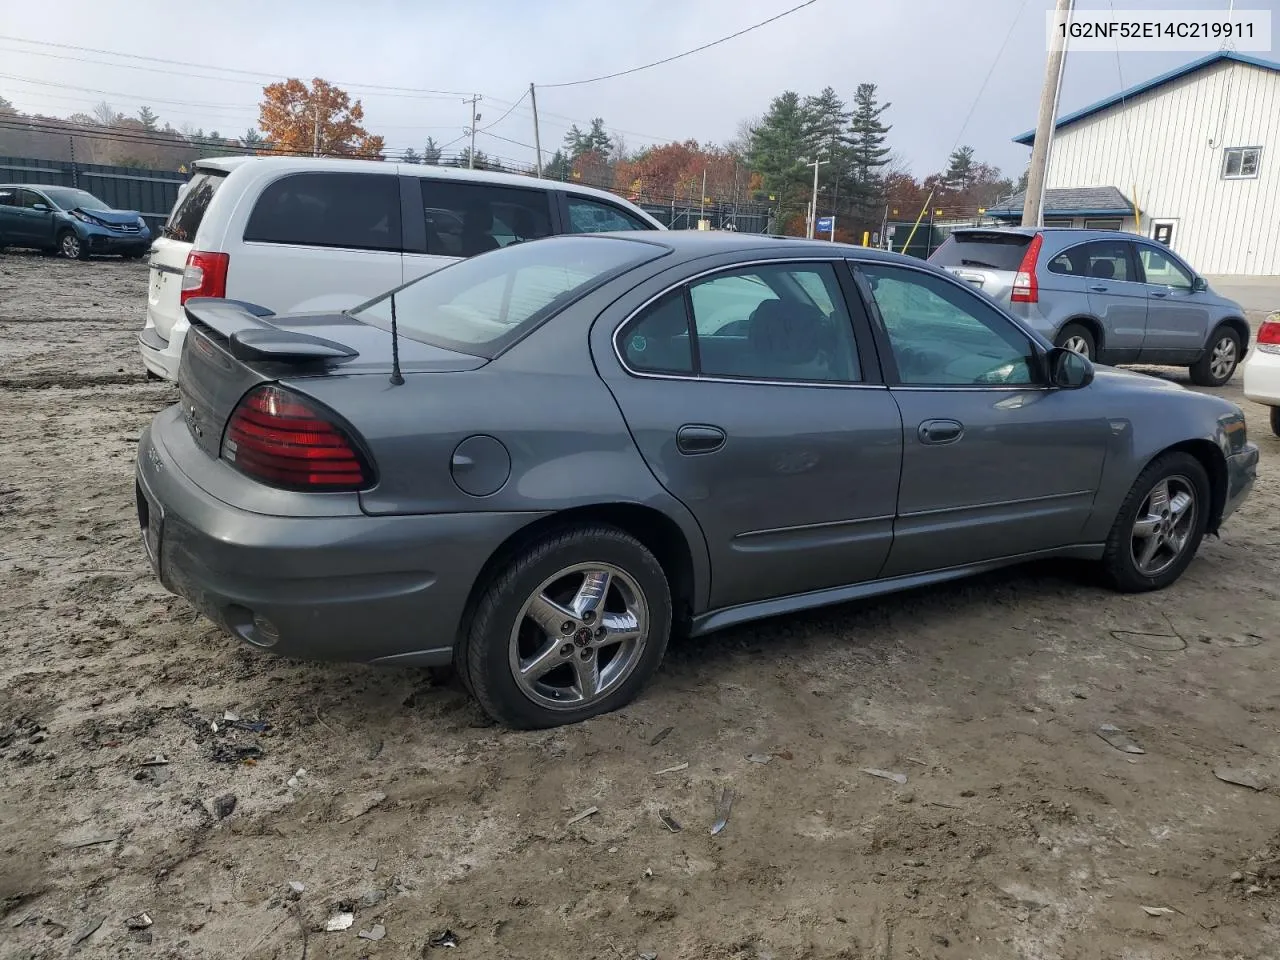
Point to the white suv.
(300, 234)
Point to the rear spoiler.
(250, 336)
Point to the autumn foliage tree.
(320, 119)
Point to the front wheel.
(72, 247)
(1078, 338)
(1219, 361)
(1159, 526)
(571, 629)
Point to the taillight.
(205, 275)
(287, 441)
(1269, 336)
(1026, 288)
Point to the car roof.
(39, 186)
(301, 164)
(707, 243)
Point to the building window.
(1103, 224)
(1240, 163)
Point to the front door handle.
(699, 438)
(940, 431)
(1158, 293)
(1098, 287)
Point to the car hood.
(113, 218)
(1130, 379)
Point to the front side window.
(358, 211)
(30, 199)
(1159, 268)
(1240, 163)
(942, 335)
(592, 216)
(482, 304)
(465, 219)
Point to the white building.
(1194, 155)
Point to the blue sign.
(826, 224)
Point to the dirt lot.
(1019, 833)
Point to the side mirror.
(1199, 285)
(1069, 370)
(43, 208)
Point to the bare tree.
(105, 114)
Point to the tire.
(1220, 359)
(71, 247)
(1275, 420)
(503, 634)
(1181, 473)
(1078, 337)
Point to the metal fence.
(151, 192)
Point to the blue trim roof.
(1182, 71)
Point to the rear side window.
(188, 213)
(971, 248)
(592, 216)
(358, 211)
(8, 197)
(464, 219)
(657, 341)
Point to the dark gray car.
(573, 446)
(1114, 297)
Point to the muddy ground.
(1019, 833)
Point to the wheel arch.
(1214, 462)
(1241, 327)
(1090, 323)
(661, 535)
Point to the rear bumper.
(341, 588)
(1262, 377)
(1242, 471)
(161, 356)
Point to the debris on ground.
(590, 811)
(359, 806)
(1118, 739)
(668, 821)
(759, 757)
(157, 761)
(296, 889)
(722, 811)
(648, 955)
(1158, 911)
(445, 938)
(1241, 777)
(138, 922)
(231, 753)
(88, 930)
(377, 933)
(676, 769)
(660, 736)
(224, 805)
(93, 841)
(898, 778)
(341, 919)
(295, 781)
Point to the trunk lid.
(233, 346)
(169, 251)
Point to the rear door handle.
(1098, 287)
(699, 438)
(940, 431)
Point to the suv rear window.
(187, 214)
(359, 211)
(995, 251)
(482, 304)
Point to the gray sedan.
(538, 464)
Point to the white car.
(1262, 369)
(310, 234)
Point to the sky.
(944, 66)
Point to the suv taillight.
(287, 441)
(1269, 336)
(1026, 289)
(205, 275)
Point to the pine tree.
(776, 147)
(410, 156)
(868, 153)
(960, 172)
(431, 153)
(148, 118)
(558, 167)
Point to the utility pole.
(813, 204)
(703, 214)
(471, 159)
(315, 142)
(537, 139)
(1033, 204)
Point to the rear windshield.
(994, 251)
(185, 219)
(481, 305)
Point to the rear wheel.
(1275, 421)
(1159, 526)
(72, 247)
(1219, 361)
(571, 629)
(1079, 338)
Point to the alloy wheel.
(70, 246)
(579, 636)
(1222, 361)
(1077, 344)
(1164, 525)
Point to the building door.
(1162, 231)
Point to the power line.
(505, 115)
(987, 79)
(705, 46)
